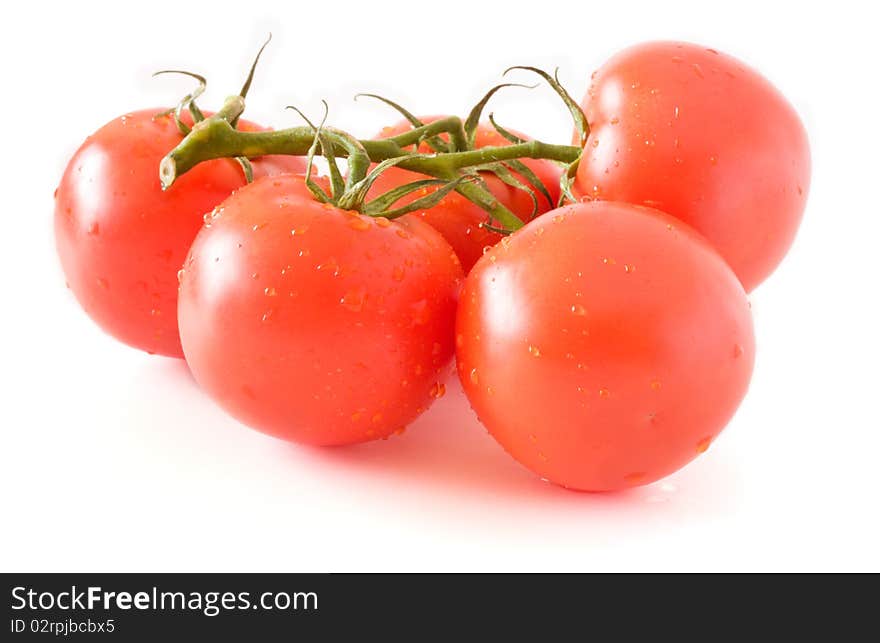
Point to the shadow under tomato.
(446, 458)
(448, 449)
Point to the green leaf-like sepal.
(473, 119)
(187, 102)
(577, 114)
(436, 143)
(423, 203)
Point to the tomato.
(699, 135)
(315, 324)
(122, 240)
(458, 219)
(604, 345)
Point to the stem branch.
(216, 137)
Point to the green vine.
(454, 163)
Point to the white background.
(113, 460)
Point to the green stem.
(451, 125)
(215, 138)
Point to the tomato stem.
(215, 138)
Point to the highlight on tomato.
(604, 345)
(699, 135)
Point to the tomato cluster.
(604, 340)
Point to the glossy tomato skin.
(604, 345)
(457, 218)
(314, 324)
(121, 240)
(701, 136)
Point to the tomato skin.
(699, 135)
(121, 240)
(314, 324)
(604, 345)
(457, 218)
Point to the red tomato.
(457, 218)
(122, 240)
(315, 324)
(697, 134)
(604, 345)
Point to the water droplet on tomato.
(438, 390)
(703, 445)
(354, 300)
(604, 393)
(358, 223)
(542, 457)
(403, 234)
(634, 478)
(270, 292)
(698, 70)
(534, 351)
(268, 314)
(382, 222)
(330, 265)
(103, 283)
(420, 313)
(180, 274)
(475, 378)
(629, 268)
(377, 417)
(655, 385)
(578, 309)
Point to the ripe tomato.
(604, 345)
(315, 324)
(122, 240)
(457, 218)
(699, 135)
